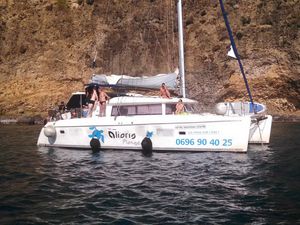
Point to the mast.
(181, 50)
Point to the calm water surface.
(58, 186)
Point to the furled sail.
(152, 82)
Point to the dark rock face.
(47, 49)
(30, 120)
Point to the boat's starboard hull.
(260, 130)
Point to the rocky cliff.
(47, 49)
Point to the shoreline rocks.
(286, 118)
(27, 120)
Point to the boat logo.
(97, 134)
(118, 134)
(149, 134)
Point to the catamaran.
(149, 123)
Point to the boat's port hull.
(167, 133)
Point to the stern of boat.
(260, 129)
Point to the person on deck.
(62, 107)
(103, 97)
(93, 97)
(179, 107)
(164, 92)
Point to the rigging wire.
(95, 57)
(224, 13)
(173, 33)
(147, 35)
(168, 16)
(260, 132)
(166, 36)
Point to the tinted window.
(74, 101)
(149, 110)
(136, 110)
(170, 108)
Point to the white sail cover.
(153, 82)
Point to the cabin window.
(170, 108)
(189, 108)
(149, 110)
(76, 101)
(123, 110)
(130, 110)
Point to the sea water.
(65, 186)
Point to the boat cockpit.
(126, 105)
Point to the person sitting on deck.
(103, 97)
(85, 110)
(179, 107)
(164, 92)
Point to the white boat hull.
(260, 131)
(167, 132)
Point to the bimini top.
(151, 82)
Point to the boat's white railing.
(243, 108)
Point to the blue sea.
(65, 186)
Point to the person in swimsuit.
(62, 107)
(91, 102)
(164, 92)
(179, 107)
(103, 97)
